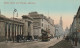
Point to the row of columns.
(12, 30)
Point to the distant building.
(59, 28)
(66, 32)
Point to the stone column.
(7, 32)
(30, 30)
(21, 30)
(16, 30)
(31, 27)
(25, 30)
(10, 30)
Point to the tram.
(45, 36)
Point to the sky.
(50, 8)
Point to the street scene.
(39, 24)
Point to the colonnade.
(12, 30)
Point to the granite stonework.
(2, 30)
(11, 27)
(40, 23)
(30, 26)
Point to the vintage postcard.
(39, 23)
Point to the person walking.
(73, 40)
(76, 40)
(79, 40)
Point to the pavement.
(3, 45)
(32, 44)
(78, 45)
(62, 44)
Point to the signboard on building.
(78, 30)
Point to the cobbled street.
(62, 44)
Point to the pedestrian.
(67, 38)
(73, 40)
(57, 37)
(79, 40)
(76, 40)
(64, 37)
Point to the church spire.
(61, 22)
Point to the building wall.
(28, 26)
(75, 26)
(9, 29)
(25, 28)
(37, 27)
(2, 30)
(45, 24)
(48, 24)
(52, 30)
(41, 22)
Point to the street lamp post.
(13, 33)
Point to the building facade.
(66, 32)
(28, 26)
(31, 26)
(75, 26)
(42, 23)
(11, 27)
